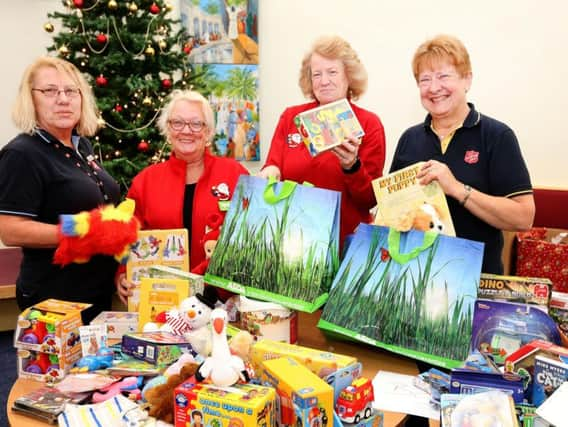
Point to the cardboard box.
(45, 367)
(322, 363)
(303, 397)
(526, 290)
(241, 405)
(118, 323)
(158, 348)
(52, 327)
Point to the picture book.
(327, 126)
(155, 247)
(46, 403)
(549, 374)
(404, 204)
(92, 338)
(158, 296)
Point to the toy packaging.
(501, 328)
(241, 405)
(403, 203)
(559, 312)
(327, 126)
(46, 403)
(526, 290)
(92, 338)
(466, 381)
(155, 247)
(266, 320)
(158, 348)
(492, 408)
(158, 296)
(50, 327)
(303, 398)
(117, 323)
(549, 374)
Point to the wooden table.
(309, 335)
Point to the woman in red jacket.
(330, 71)
(192, 185)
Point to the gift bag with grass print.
(411, 293)
(279, 243)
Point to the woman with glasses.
(476, 159)
(331, 71)
(47, 170)
(192, 185)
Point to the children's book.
(46, 403)
(404, 204)
(158, 296)
(327, 126)
(549, 374)
(155, 247)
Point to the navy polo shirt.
(485, 154)
(41, 178)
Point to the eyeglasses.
(427, 79)
(179, 125)
(53, 92)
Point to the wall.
(517, 49)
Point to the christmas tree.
(133, 54)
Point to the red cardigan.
(159, 190)
(324, 171)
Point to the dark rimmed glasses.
(194, 125)
(53, 92)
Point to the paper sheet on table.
(397, 393)
(553, 409)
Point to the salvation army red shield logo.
(471, 157)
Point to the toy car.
(355, 401)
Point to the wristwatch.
(468, 190)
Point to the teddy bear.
(426, 217)
(161, 397)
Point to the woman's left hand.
(434, 170)
(347, 152)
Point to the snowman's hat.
(209, 296)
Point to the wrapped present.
(543, 252)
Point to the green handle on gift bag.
(286, 191)
(394, 246)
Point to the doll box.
(303, 397)
(321, 363)
(51, 326)
(238, 406)
(44, 367)
(158, 348)
(118, 323)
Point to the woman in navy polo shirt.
(48, 170)
(476, 159)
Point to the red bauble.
(166, 83)
(102, 38)
(78, 3)
(118, 108)
(155, 9)
(187, 49)
(101, 81)
(143, 146)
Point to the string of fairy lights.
(158, 38)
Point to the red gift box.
(543, 252)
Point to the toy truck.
(355, 401)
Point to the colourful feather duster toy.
(107, 230)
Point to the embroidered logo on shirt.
(221, 191)
(471, 157)
(294, 139)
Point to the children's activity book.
(155, 247)
(404, 204)
(327, 126)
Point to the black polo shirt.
(41, 178)
(483, 153)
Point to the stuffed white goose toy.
(222, 368)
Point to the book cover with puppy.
(404, 204)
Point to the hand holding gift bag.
(411, 293)
(279, 242)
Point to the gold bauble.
(48, 26)
(101, 122)
(150, 51)
(112, 5)
(147, 101)
(162, 44)
(64, 50)
(133, 7)
(169, 6)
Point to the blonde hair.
(24, 113)
(190, 96)
(440, 49)
(334, 47)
